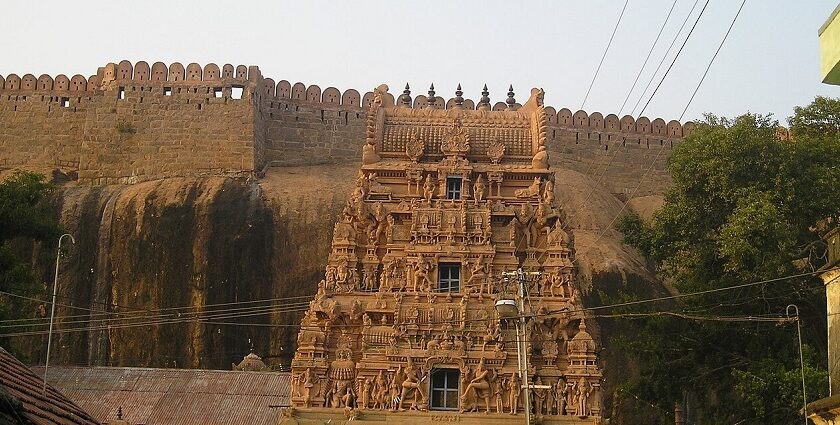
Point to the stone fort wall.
(135, 122)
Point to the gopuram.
(403, 328)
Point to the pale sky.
(769, 64)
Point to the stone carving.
(531, 191)
(342, 372)
(539, 397)
(415, 267)
(456, 141)
(514, 389)
(479, 387)
(496, 151)
(561, 392)
(540, 160)
(411, 387)
(478, 190)
(414, 147)
(428, 188)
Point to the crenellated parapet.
(49, 119)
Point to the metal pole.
(524, 350)
(801, 359)
(52, 310)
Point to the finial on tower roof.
(510, 99)
(484, 102)
(431, 101)
(405, 97)
(459, 98)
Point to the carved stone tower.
(446, 203)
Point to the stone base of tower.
(311, 416)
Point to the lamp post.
(52, 310)
(510, 309)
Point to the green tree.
(745, 206)
(26, 216)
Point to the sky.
(769, 63)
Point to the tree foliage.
(26, 216)
(746, 206)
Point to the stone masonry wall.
(162, 121)
(143, 123)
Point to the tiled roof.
(175, 396)
(52, 408)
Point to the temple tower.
(447, 203)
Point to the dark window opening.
(449, 277)
(65, 102)
(167, 91)
(445, 389)
(453, 188)
(121, 93)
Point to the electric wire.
(551, 313)
(650, 52)
(664, 76)
(706, 72)
(592, 83)
(665, 56)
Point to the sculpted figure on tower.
(448, 203)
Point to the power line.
(621, 109)
(138, 310)
(564, 311)
(605, 54)
(688, 37)
(665, 56)
(713, 58)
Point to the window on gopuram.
(453, 188)
(445, 389)
(449, 277)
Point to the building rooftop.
(174, 396)
(25, 386)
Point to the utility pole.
(52, 310)
(521, 332)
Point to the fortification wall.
(135, 122)
(306, 125)
(132, 123)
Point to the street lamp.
(511, 310)
(52, 312)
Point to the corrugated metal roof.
(52, 408)
(175, 396)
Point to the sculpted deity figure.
(364, 394)
(421, 277)
(548, 193)
(379, 393)
(428, 188)
(478, 189)
(342, 371)
(309, 381)
(540, 396)
(558, 285)
(394, 389)
(379, 224)
(477, 283)
(583, 390)
(514, 388)
(494, 334)
(523, 222)
(498, 389)
(411, 385)
(480, 387)
(560, 394)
